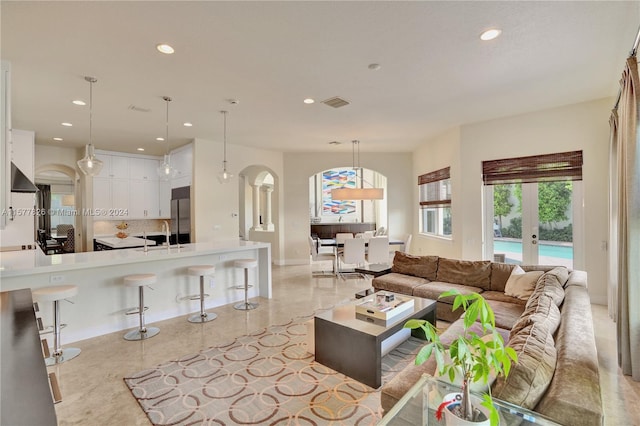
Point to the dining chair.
(380, 232)
(316, 257)
(367, 235)
(353, 254)
(378, 251)
(407, 243)
(341, 237)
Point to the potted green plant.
(474, 357)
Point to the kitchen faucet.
(165, 228)
(144, 237)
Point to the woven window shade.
(435, 188)
(536, 168)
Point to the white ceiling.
(435, 72)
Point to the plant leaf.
(424, 353)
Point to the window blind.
(535, 168)
(435, 188)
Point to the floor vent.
(336, 102)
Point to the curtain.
(628, 175)
(612, 289)
(44, 204)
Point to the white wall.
(215, 204)
(581, 126)
(298, 167)
(442, 151)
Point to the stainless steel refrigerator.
(181, 215)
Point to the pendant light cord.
(166, 138)
(91, 80)
(224, 161)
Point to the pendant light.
(224, 176)
(90, 165)
(342, 194)
(165, 171)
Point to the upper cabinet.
(143, 168)
(130, 183)
(182, 161)
(113, 166)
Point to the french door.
(534, 223)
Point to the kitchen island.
(102, 300)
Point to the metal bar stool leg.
(246, 264)
(143, 332)
(202, 316)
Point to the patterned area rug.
(264, 378)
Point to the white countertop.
(28, 262)
(114, 242)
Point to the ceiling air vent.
(139, 109)
(336, 102)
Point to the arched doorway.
(260, 206)
(59, 199)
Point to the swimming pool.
(548, 250)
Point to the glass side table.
(418, 407)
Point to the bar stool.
(201, 271)
(55, 295)
(140, 280)
(246, 264)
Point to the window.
(435, 202)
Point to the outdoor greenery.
(554, 201)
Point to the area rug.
(264, 378)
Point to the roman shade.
(536, 168)
(435, 190)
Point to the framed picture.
(334, 179)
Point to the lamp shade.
(357, 194)
(68, 200)
(90, 165)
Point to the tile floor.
(95, 394)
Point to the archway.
(260, 206)
(65, 199)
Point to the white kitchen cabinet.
(113, 166)
(143, 199)
(143, 168)
(111, 198)
(182, 161)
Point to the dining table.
(331, 242)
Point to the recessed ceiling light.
(58, 139)
(374, 67)
(490, 34)
(187, 124)
(67, 124)
(79, 102)
(165, 48)
(160, 139)
(308, 101)
(140, 149)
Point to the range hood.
(19, 182)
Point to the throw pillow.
(521, 284)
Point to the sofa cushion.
(506, 313)
(457, 328)
(545, 311)
(466, 272)
(417, 266)
(501, 297)
(531, 375)
(397, 283)
(395, 389)
(551, 283)
(500, 273)
(433, 289)
(521, 284)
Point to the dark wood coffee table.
(354, 347)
